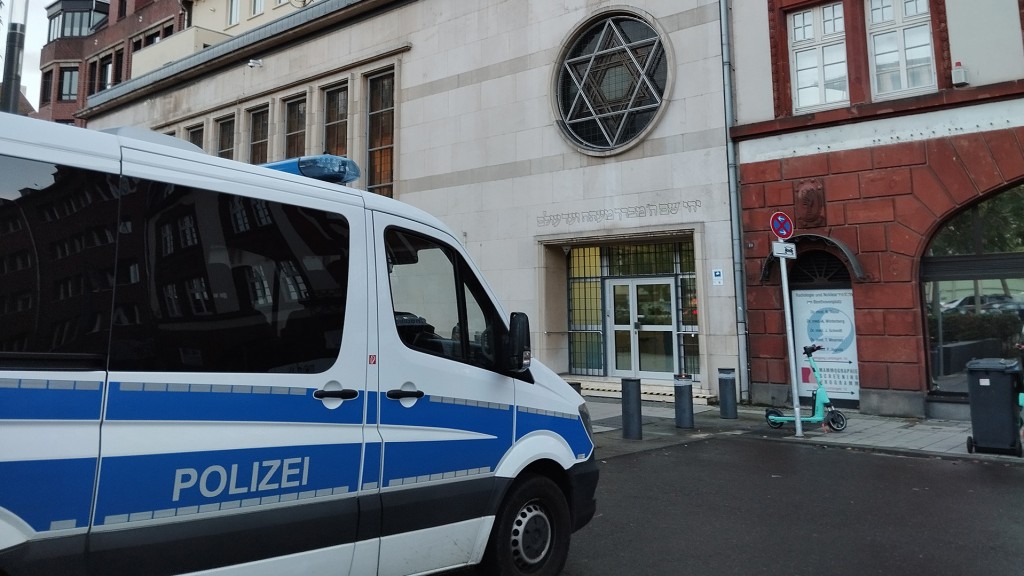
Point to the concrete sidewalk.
(909, 436)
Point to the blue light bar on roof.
(326, 167)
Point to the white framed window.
(900, 51)
(817, 57)
(233, 9)
(257, 7)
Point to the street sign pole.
(782, 227)
(790, 346)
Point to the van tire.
(536, 508)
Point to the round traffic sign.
(782, 225)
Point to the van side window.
(229, 284)
(440, 307)
(184, 280)
(58, 226)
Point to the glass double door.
(641, 319)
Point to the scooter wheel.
(970, 444)
(769, 413)
(836, 420)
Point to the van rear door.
(58, 224)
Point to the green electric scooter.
(824, 413)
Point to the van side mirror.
(518, 353)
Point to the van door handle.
(398, 394)
(346, 394)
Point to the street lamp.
(16, 20)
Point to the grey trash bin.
(993, 388)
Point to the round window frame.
(599, 17)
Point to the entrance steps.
(650, 390)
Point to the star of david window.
(611, 83)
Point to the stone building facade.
(578, 148)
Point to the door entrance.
(641, 318)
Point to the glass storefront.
(972, 281)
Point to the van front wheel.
(531, 532)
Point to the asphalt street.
(721, 504)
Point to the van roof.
(107, 145)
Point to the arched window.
(972, 281)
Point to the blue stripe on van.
(414, 462)
(371, 466)
(48, 494)
(568, 426)
(155, 486)
(38, 399)
(225, 403)
(372, 398)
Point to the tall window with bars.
(586, 327)
(381, 125)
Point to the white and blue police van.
(208, 367)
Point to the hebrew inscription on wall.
(643, 211)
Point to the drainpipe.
(743, 373)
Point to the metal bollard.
(684, 400)
(631, 426)
(727, 392)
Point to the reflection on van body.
(202, 281)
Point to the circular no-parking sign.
(782, 225)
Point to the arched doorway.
(821, 292)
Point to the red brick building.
(877, 182)
(90, 46)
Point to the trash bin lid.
(994, 365)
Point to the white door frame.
(637, 329)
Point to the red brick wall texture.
(884, 203)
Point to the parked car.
(967, 304)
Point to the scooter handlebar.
(808, 350)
